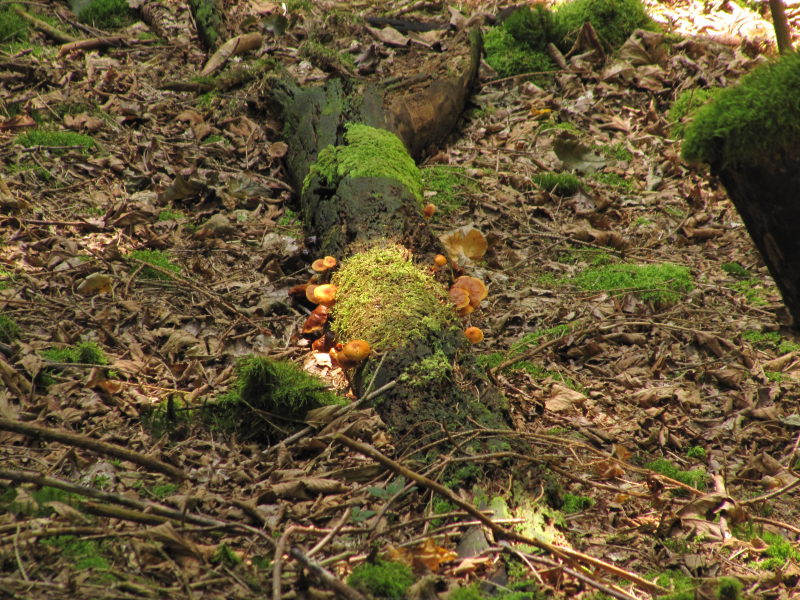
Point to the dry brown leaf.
(563, 398)
(96, 283)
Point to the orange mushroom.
(476, 289)
(316, 320)
(440, 260)
(429, 210)
(474, 334)
(351, 354)
(310, 288)
(459, 297)
(325, 294)
(330, 261)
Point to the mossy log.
(375, 224)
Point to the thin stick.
(80, 441)
(499, 532)
(326, 577)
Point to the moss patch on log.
(367, 152)
(387, 300)
(750, 123)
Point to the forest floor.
(664, 426)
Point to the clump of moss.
(663, 284)
(769, 339)
(326, 58)
(87, 353)
(158, 259)
(574, 503)
(749, 123)
(13, 28)
(383, 579)
(208, 20)
(612, 179)
(367, 152)
(613, 20)
(54, 139)
(170, 215)
(387, 300)
(686, 105)
(696, 478)
(85, 554)
(9, 330)
(735, 269)
(562, 184)
(279, 389)
(506, 56)
(105, 14)
(697, 452)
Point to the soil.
(664, 432)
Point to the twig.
(80, 441)
(143, 505)
(326, 577)
(277, 563)
(497, 530)
(53, 32)
(339, 524)
(576, 574)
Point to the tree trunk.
(766, 199)
(438, 386)
(781, 25)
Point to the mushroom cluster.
(466, 293)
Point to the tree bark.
(781, 25)
(766, 198)
(363, 213)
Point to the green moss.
(226, 556)
(735, 269)
(54, 139)
(752, 290)
(35, 503)
(382, 579)
(686, 105)
(697, 452)
(613, 20)
(574, 503)
(613, 180)
(562, 184)
(281, 388)
(6, 279)
(290, 221)
(470, 592)
(105, 14)
(13, 28)
(696, 478)
(326, 58)
(87, 353)
(85, 554)
(681, 584)
(208, 20)
(432, 368)
(450, 184)
(9, 330)
(385, 299)
(156, 258)
(534, 28)
(616, 151)
(509, 57)
(663, 284)
(563, 126)
(367, 152)
(750, 123)
(170, 215)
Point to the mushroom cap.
(459, 297)
(440, 260)
(474, 334)
(429, 210)
(468, 309)
(319, 265)
(330, 261)
(476, 289)
(316, 320)
(357, 350)
(325, 294)
(310, 288)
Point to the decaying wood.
(766, 199)
(364, 211)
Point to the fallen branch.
(53, 32)
(326, 577)
(81, 441)
(497, 530)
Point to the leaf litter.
(676, 421)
